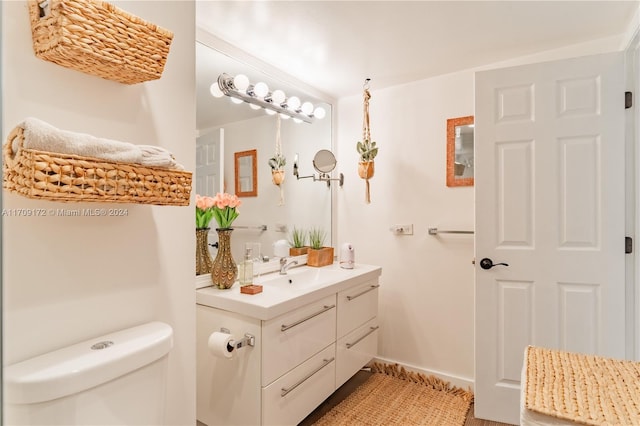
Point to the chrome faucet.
(284, 265)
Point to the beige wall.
(67, 279)
(427, 294)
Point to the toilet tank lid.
(85, 365)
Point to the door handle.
(487, 263)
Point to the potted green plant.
(368, 151)
(277, 163)
(298, 242)
(318, 254)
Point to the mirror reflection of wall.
(225, 128)
(460, 157)
(464, 151)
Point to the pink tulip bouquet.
(224, 207)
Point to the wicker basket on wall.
(98, 38)
(73, 178)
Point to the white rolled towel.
(43, 136)
(156, 156)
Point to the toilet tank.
(115, 379)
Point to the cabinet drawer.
(295, 336)
(355, 350)
(356, 306)
(295, 395)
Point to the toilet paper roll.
(220, 345)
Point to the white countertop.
(282, 293)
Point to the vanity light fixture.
(258, 95)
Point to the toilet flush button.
(101, 345)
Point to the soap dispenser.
(245, 274)
(347, 256)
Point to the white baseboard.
(461, 382)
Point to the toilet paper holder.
(248, 339)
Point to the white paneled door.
(549, 191)
(209, 161)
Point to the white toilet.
(115, 379)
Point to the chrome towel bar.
(436, 231)
(259, 227)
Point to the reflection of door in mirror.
(460, 151)
(209, 163)
(246, 173)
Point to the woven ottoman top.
(586, 389)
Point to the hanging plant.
(277, 163)
(366, 148)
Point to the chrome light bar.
(228, 88)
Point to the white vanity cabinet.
(357, 330)
(292, 397)
(307, 344)
(294, 337)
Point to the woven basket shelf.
(98, 38)
(72, 178)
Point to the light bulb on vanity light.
(293, 103)
(215, 90)
(307, 108)
(261, 89)
(319, 113)
(241, 82)
(278, 97)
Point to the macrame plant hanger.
(277, 174)
(366, 148)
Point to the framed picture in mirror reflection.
(460, 160)
(246, 173)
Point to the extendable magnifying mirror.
(324, 162)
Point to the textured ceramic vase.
(204, 262)
(224, 271)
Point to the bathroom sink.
(282, 293)
(302, 278)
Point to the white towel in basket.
(155, 156)
(42, 136)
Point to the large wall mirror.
(460, 151)
(225, 128)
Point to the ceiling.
(334, 45)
